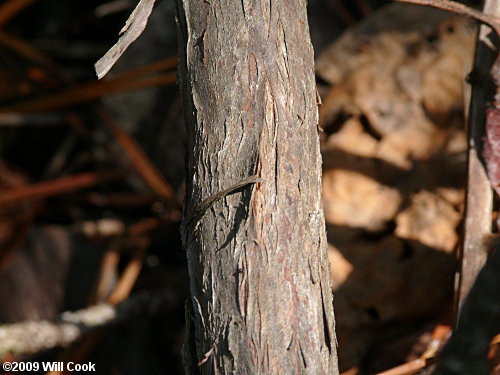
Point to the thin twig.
(107, 272)
(119, 294)
(129, 275)
(60, 157)
(31, 337)
(121, 199)
(25, 49)
(168, 64)
(407, 368)
(12, 7)
(87, 92)
(479, 197)
(207, 203)
(351, 371)
(439, 336)
(35, 336)
(144, 226)
(141, 162)
(58, 186)
(458, 8)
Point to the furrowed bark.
(261, 300)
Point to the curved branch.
(458, 8)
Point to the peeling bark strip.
(261, 296)
(133, 28)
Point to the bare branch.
(31, 337)
(454, 7)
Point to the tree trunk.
(261, 299)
